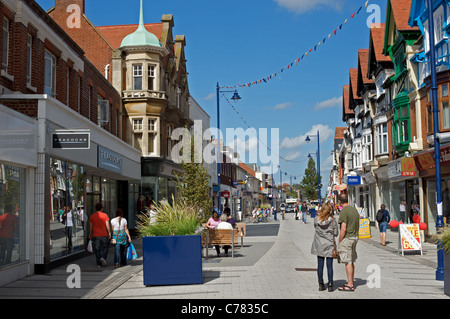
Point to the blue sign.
(354, 180)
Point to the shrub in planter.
(171, 246)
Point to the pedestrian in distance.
(403, 211)
(212, 223)
(304, 212)
(297, 210)
(100, 234)
(383, 218)
(348, 238)
(325, 230)
(121, 237)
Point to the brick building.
(60, 144)
(146, 64)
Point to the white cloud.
(324, 130)
(302, 6)
(282, 106)
(292, 156)
(209, 96)
(333, 102)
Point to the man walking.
(304, 211)
(348, 238)
(100, 233)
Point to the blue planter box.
(172, 260)
(447, 273)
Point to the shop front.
(79, 165)
(404, 188)
(426, 167)
(17, 170)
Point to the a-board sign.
(409, 238)
(364, 228)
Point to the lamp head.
(236, 96)
(307, 139)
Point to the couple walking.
(326, 229)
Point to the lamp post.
(437, 147)
(235, 97)
(318, 163)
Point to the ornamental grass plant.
(170, 220)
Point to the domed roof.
(141, 37)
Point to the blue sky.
(241, 41)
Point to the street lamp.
(290, 176)
(437, 147)
(235, 97)
(318, 163)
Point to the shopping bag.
(89, 247)
(131, 252)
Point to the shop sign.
(364, 228)
(109, 160)
(340, 187)
(425, 160)
(353, 180)
(71, 140)
(408, 166)
(225, 194)
(395, 169)
(410, 238)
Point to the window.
(151, 125)
(151, 78)
(137, 77)
(169, 139)
(382, 139)
(356, 154)
(367, 148)
(438, 19)
(103, 112)
(79, 94)
(50, 74)
(137, 125)
(68, 87)
(29, 58)
(5, 56)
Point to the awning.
(425, 160)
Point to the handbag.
(89, 247)
(335, 253)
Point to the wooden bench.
(213, 237)
(242, 228)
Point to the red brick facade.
(80, 99)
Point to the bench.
(214, 237)
(242, 228)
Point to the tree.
(309, 181)
(193, 186)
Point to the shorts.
(382, 226)
(347, 250)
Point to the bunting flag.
(296, 61)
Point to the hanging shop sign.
(340, 187)
(409, 238)
(225, 194)
(353, 180)
(71, 140)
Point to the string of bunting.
(248, 126)
(299, 59)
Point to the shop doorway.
(91, 199)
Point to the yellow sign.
(364, 228)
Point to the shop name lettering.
(70, 139)
(110, 157)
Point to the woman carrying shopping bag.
(121, 238)
(326, 229)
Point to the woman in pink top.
(213, 221)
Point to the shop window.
(12, 214)
(68, 218)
